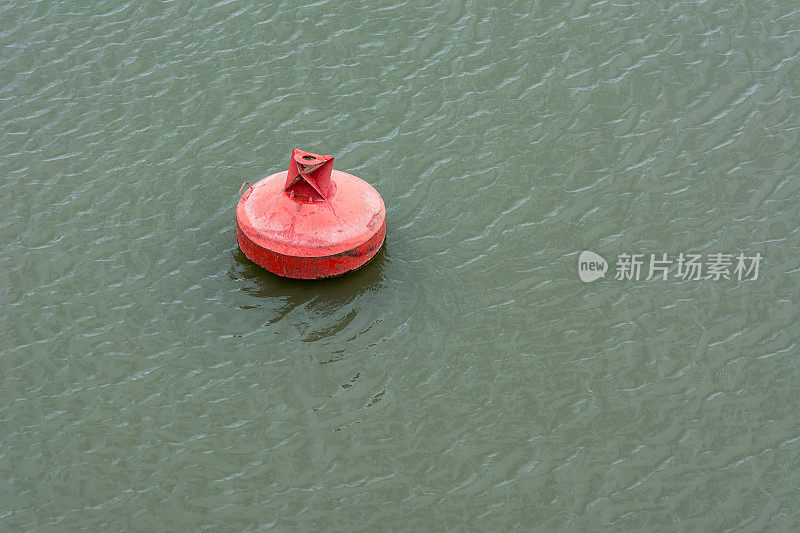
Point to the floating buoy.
(310, 221)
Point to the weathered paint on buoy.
(310, 221)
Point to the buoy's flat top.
(348, 218)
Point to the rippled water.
(153, 378)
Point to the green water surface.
(152, 378)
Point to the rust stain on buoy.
(310, 221)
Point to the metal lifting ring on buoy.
(310, 221)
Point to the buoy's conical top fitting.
(309, 175)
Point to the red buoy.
(310, 221)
